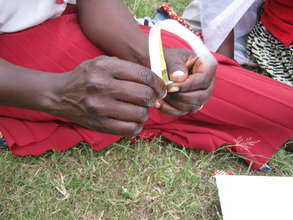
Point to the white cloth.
(17, 15)
(216, 19)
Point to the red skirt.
(251, 113)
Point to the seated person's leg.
(227, 47)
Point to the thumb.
(177, 70)
(176, 77)
(180, 75)
(179, 63)
(183, 70)
(176, 63)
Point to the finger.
(134, 93)
(117, 110)
(202, 76)
(197, 81)
(190, 62)
(124, 70)
(128, 112)
(176, 63)
(197, 97)
(116, 127)
(178, 75)
(181, 106)
(196, 65)
(166, 108)
(174, 87)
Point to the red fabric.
(249, 112)
(278, 20)
(59, 1)
(70, 9)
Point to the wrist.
(142, 57)
(41, 94)
(23, 87)
(48, 98)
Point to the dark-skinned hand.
(108, 95)
(193, 78)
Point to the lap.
(244, 103)
(59, 45)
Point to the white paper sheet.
(256, 198)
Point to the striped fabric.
(270, 54)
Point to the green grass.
(154, 180)
(141, 8)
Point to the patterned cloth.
(168, 9)
(270, 54)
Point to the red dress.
(251, 113)
(278, 19)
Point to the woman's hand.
(132, 44)
(108, 95)
(194, 79)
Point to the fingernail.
(174, 89)
(157, 104)
(178, 74)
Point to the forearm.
(112, 28)
(22, 87)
